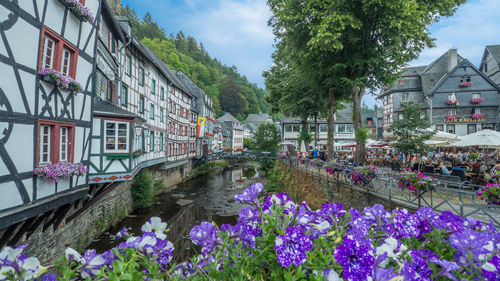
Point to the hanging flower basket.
(476, 101)
(79, 10)
(452, 102)
(465, 84)
(59, 80)
(363, 175)
(334, 167)
(415, 181)
(451, 117)
(490, 193)
(61, 170)
(477, 116)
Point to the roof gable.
(451, 81)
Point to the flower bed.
(278, 239)
(334, 167)
(59, 79)
(415, 181)
(477, 116)
(61, 170)
(77, 8)
(451, 117)
(363, 175)
(465, 84)
(317, 163)
(490, 193)
(452, 102)
(478, 100)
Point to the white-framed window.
(63, 144)
(452, 111)
(116, 136)
(152, 112)
(405, 97)
(476, 96)
(48, 52)
(465, 79)
(323, 128)
(477, 110)
(471, 129)
(66, 61)
(45, 132)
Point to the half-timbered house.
(47, 54)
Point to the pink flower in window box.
(452, 102)
(478, 100)
(465, 84)
(451, 117)
(477, 116)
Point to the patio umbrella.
(286, 143)
(380, 144)
(484, 138)
(302, 147)
(436, 143)
(444, 136)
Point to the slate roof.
(258, 117)
(160, 65)
(196, 91)
(228, 117)
(107, 109)
(494, 51)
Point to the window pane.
(66, 61)
(44, 144)
(63, 146)
(48, 52)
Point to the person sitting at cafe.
(444, 169)
(476, 166)
(429, 168)
(457, 170)
(495, 172)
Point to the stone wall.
(315, 188)
(49, 245)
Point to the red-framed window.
(57, 53)
(55, 142)
(116, 137)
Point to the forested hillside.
(229, 90)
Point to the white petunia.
(156, 226)
(73, 255)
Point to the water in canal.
(213, 200)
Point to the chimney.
(452, 59)
(115, 5)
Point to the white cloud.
(474, 25)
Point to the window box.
(137, 153)
(79, 10)
(452, 102)
(451, 117)
(59, 80)
(465, 84)
(477, 116)
(61, 170)
(477, 100)
(117, 156)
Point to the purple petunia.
(356, 258)
(250, 195)
(292, 247)
(205, 235)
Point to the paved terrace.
(447, 196)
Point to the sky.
(236, 31)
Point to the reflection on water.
(213, 201)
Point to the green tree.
(267, 137)
(410, 132)
(230, 97)
(248, 144)
(375, 40)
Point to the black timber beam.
(98, 196)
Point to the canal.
(209, 197)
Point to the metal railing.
(445, 196)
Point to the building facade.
(45, 91)
(457, 97)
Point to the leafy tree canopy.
(267, 137)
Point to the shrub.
(142, 189)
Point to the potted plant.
(415, 181)
(473, 156)
(61, 170)
(490, 193)
(478, 100)
(334, 167)
(477, 116)
(452, 102)
(363, 175)
(79, 10)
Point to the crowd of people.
(477, 166)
